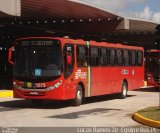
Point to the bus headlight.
(16, 86)
(55, 85)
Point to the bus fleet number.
(40, 85)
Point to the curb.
(139, 118)
(6, 93)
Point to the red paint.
(103, 80)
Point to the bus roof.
(83, 42)
(103, 44)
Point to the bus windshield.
(37, 59)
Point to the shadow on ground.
(84, 113)
(21, 104)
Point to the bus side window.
(82, 56)
(112, 57)
(119, 57)
(103, 57)
(133, 58)
(139, 58)
(68, 68)
(126, 57)
(94, 58)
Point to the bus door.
(69, 62)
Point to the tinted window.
(139, 58)
(103, 56)
(94, 56)
(119, 57)
(68, 50)
(133, 58)
(37, 60)
(112, 56)
(82, 53)
(126, 57)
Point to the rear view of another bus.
(152, 68)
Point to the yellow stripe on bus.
(89, 81)
(88, 75)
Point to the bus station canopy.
(20, 17)
(82, 17)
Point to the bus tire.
(79, 96)
(124, 89)
(37, 102)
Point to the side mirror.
(10, 55)
(68, 59)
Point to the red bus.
(63, 68)
(152, 68)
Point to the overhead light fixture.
(50, 32)
(90, 20)
(118, 18)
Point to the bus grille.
(32, 94)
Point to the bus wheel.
(37, 102)
(124, 89)
(79, 96)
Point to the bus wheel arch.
(83, 88)
(124, 89)
(79, 95)
(125, 80)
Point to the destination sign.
(36, 43)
